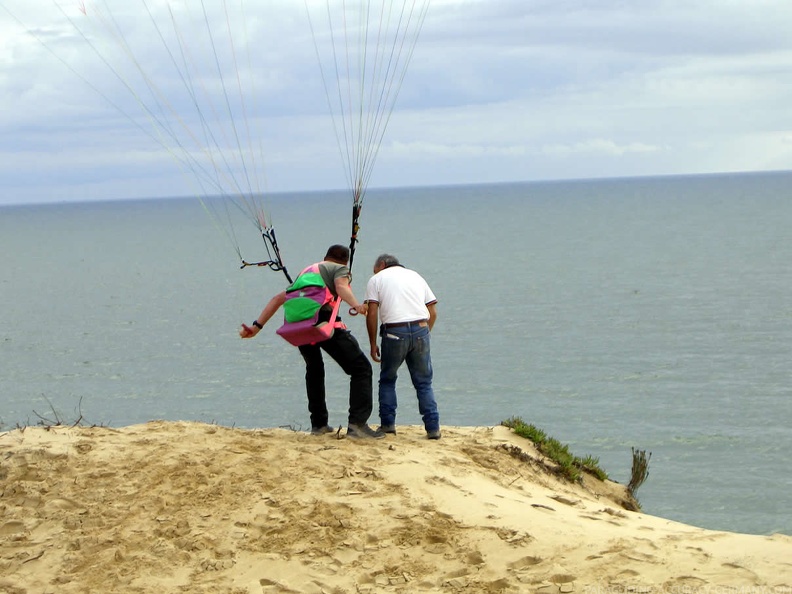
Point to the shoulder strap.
(334, 316)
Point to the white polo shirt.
(402, 295)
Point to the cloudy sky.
(497, 90)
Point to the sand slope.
(190, 507)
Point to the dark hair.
(386, 260)
(338, 253)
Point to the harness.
(304, 309)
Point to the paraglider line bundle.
(274, 263)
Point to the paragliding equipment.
(204, 121)
(364, 49)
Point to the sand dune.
(190, 507)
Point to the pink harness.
(311, 330)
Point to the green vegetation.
(640, 470)
(570, 466)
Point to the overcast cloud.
(498, 90)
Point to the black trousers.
(345, 350)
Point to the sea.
(619, 316)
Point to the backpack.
(304, 301)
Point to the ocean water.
(649, 313)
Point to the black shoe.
(433, 434)
(387, 429)
(322, 430)
(363, 432)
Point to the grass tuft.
(570, 466)
(640, 470)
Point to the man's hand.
(248, 331)
(361, 308)
(375, 354)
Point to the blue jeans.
(408, 344)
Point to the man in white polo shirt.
(406, 308)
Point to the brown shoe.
(363, 432)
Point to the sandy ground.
(191, 507)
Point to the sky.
(496, 91)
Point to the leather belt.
(403, 324)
